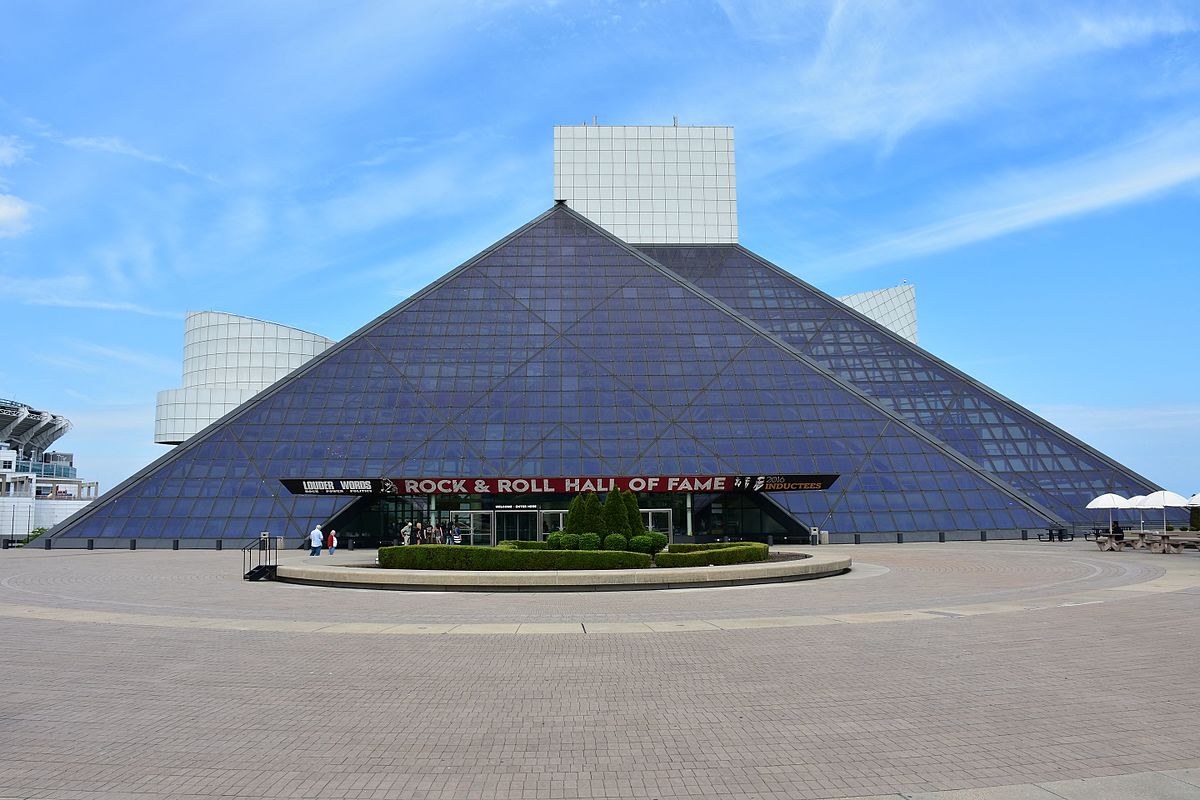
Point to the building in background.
(625, 332)
(38, 488)
(894, 308)
(227, 359)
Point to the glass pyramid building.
(563, 350)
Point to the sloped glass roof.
(559, 351)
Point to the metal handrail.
(260, 557)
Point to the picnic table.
(1175, 542)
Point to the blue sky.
(1033, 168)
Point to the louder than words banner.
(561, 485)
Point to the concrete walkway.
(991, 670)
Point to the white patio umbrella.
(1109, 501)
(1136, 502)
(1164, 500)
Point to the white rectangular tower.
(662, 184)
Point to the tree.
(591, 515)
(634, 514)
(616, 517)
(574, 515)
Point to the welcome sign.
(560, 485)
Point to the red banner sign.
(709, 484)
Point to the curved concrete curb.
(810, 567)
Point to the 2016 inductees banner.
(560, 485)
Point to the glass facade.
(1032, 456)
(560, 351)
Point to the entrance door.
(519, 525)
(552, 521)
(472, 527)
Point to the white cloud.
(12, 150)
(117, 146)
(70, 291)
(145, 362)
(1155, 162)
(14, 215)
(884, 69)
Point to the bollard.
(133, 544)
(91, 545)
(770, 540)
(219, 543)
(349, 542)
(858, 538)
(174, 544)
(47, 542)
(1024, 536)
(899, 538)
(983, 536)
(942, 537)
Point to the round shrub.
(507, 545)
(589, 541)
(642, 544)
(555, 541)
(570, 541)
(615, 541)
(658, 541)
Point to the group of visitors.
(318, 539)
(417, 533)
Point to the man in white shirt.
(314, 541)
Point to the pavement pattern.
(1000, 670)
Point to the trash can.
(823, 537)
(814, 537)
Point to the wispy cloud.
(884, 69)
(117, 146)
(70, 291)
(1157, 161)
(143, 361)
(14, 215)
(12, 150)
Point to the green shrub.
(634, 514)
(693, 548)
(1194, 518)
(657, 540)
(34, 534)
(732, 553)
(574, 515)
(642, 544)
(508, 544)
(1170, 527)
(464, 557)
(555, 541)
(570, 541)
(615, 541)
(591, 515)
(616, 518)
(521, 544)
(589, 541)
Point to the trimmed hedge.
(731, 553)
(642, 544)
(695, 548)
(457, 556)
(519, 544)
(658, 541)
(555, 540)
(589, 541)
(615, 541)
(570, 541)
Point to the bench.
(1175, 543)
(1061, 534)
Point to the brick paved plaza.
(930, 668)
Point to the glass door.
(517, 525)
(657, 519)
(471, 527)
(552, 521)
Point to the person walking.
(331, 541)
(314, 541)
(420, 534)
(406, 533)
